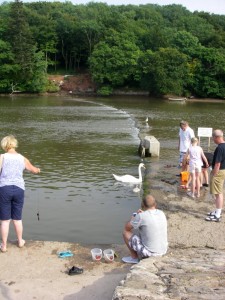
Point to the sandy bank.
(36, 272)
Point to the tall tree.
(209, 77)
(19, 37)
(114, 61)
(165, 71)
(7, 68)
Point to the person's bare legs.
(18, 225)
(193, 183)
(219, 201)
(4, 233)
(205, 176)
(126, 236)
(188, 182)
(198, 184)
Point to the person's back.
(12, 189)
(151, 239)
(12, 171)
(195, 155)
(153, 230)
(185, 135)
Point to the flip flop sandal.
(184, 187)
(212, 218)
(65, 254)
(212, 213)
(3, 250)
(75, 271)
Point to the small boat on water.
(177, 99)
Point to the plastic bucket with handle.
(108, 255)
(96, 254)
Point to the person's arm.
(179, 139)
(128, 226)
(186, 156)
(216, 168)
(29, 167)
(204, 158)
(218, 158)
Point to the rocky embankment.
(194, 266)
(182, 274)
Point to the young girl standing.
(197, 157)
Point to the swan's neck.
(140, 174)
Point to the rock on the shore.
(188, 274)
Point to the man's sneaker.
(212, 213)
(212, 218)
(130, 260)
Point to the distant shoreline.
(63, 93)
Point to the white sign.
(205, 132)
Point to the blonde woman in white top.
(197, 157)
(12, 188)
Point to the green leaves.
(209, 76)
(115, 60)
(28, 65)
(8, 68)
(165, 71)
(161, 49)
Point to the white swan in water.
(129, 178)
(136, 189)
(146, 120)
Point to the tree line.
(159, 49)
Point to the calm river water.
(78, 144)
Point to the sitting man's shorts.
(137, 246)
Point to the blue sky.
(211, 6)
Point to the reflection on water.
(78, 144)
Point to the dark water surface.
(78, 144)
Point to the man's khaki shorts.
(217, 182)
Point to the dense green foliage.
(160, 49)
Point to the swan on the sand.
(130, 178)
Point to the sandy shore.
(36, 272)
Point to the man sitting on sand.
(151, 239)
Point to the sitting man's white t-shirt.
(152, 227)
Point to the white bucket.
(108, 255)
(96, 254)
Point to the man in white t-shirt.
(185, 136)
(151, 239)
